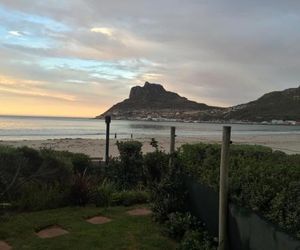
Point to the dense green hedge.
(41, 179)
(265, 181)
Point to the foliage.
(128, 198)
(262, 180)
(80, 189)
(24, 165)
(197, 240)
(127, 170)
(169, 195)
(155, 166)
(81, 163)
(102, 195)
(35, 196)
(178, 223)
(58, 168)
(38, 179)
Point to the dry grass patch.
(52, 231)
(139, 211)
(4, 245)
(98, 220)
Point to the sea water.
(37, 128)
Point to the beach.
(95, 148)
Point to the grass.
(123, 232)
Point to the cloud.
(15, 33)
(103, 30)
(30, 88)
(219, 52)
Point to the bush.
(33, 158)
(262, 180)
(127, 170)
(34, 180)
(55, 168)
(179, 223)
(155, 166)
(170, 195)
(103, 194)
(81, 163)
(80, 190)
(128, 198)
(197, 240)
(12, 167)
(35, 196)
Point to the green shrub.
(55, 167)
(179, 223)
(12, 167)
(103, 194)
(81, 163)
(34, 180)
(35, 196)
(170, 195)
(262, 180)
(128, 198)
(80, 190)
(197, 240)
(126, 171)
(33, 158)
(155, 166)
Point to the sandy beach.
(96, 147)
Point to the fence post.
(172, 146)
(107, 121)
(223, 193)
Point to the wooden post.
(131, 136)
(172, 146)
(107, 121)
(223, 193)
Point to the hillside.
(152, 101)
(277, 105)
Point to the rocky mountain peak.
(148, 91)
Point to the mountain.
(277, 105)
(152, 101)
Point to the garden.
(44, 188)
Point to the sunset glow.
(79, 58)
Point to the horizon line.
(47, 116)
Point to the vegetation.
(126, 171)
(197, 240)
(265, 181)
(123, 232)
(170, 194)
(32, 180)
(276, 105)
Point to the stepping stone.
(139, 211)
(4, 245)
(98, 220)
(50, 232)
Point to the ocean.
(37, 128)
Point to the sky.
(79, 57)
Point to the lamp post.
(107, 121)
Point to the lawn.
(124, 231)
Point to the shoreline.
(95, 148)
(222, 122)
